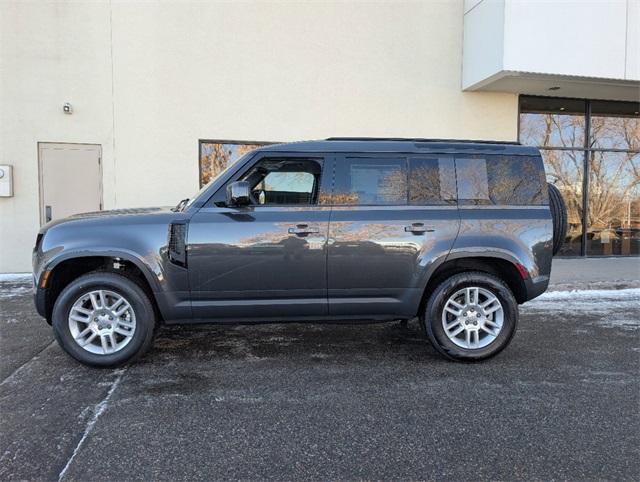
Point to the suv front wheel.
(103, 319)
(471, 316)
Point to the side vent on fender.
(177, 243)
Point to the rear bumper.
(536, 286)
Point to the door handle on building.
(47, 214)
(302, 229)
(419, 228)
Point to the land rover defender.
(455, 233)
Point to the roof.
(405, 146)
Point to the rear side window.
(501, 180)
(371, 181)
(432, 181)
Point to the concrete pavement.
(334, 401)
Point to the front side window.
(371, 181)
(284, 181)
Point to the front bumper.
(40, 300)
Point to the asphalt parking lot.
(329, 402)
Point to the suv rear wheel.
(103, 319)
(471, 316)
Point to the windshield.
(214, 179)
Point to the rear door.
(392, 216)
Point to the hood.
(118, 212)
(117, 216)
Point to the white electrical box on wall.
(6, 180)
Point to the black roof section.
(405, 146)
(418, 139)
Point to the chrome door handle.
(302, 229)
(419, 228)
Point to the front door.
(266, 260)
(70, 179)
(392, 216)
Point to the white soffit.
(575, 48)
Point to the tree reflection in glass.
(565, 170)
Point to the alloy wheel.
(102, 322)
(472, 317)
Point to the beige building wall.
(147, 80)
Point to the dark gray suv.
(456, 233)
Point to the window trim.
(344, 156)
(323, 158)
(316, 190)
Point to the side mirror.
(238, 194)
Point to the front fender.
(149, 267)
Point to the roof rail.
(413, 139)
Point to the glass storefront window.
(550, 122)
(614, 203)
(565, 169)
(559, 128)
(615, 125)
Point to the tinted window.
(432, 181)
(284, 181)
(371, 181)
(501, 180)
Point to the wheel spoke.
(457, 331)
(122, 331)
(87, 340)
(495, 306)
(82, 310)
(491, 323)
(80, 319)
(103, 299)
(471, 296)
(117, 303)
(453, 311)
(94, 301)
(105, 343)
(83, 333)
(122, 310)
(487, 330)
(125, 323)
(451, 325)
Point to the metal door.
(70, 179)
(261, 261)
(391, 228)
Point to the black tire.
(145, 324)
(432, 319)
(559, 214)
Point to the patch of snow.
(15, 291)
(15, 277)
(624, 323)
(571, 295)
